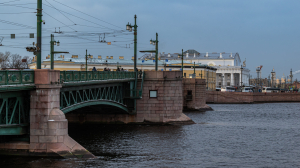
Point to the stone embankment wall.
(276, 97)
(243, 97)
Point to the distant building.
(230, 71)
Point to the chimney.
(159, 54)
(107, 57)
(163, 53)
(91, 56)
(111, 57)
(121, 57)
(206, 54)
(99, 57)
(169, 55)
(187, 55)
(194, 55)
(151, 54)
(220, 55)
(231, 55)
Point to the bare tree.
(15, 61)
(4, 59)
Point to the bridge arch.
(93, 103)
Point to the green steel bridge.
(80, 89)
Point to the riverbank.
(215, 97)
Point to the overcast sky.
(264, 32)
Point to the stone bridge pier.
(48, 125)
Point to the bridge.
(34, 105)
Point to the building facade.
(230, 70)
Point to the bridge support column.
(194, 93)
(167, 106)
(48, 126)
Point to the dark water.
(247, 135)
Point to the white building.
(231, 71)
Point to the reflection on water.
(245, 135)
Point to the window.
(153, 93)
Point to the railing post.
(21, 77)
(6, 77)
(65, 76)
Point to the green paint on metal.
(14, 113)
(92, 103)
(13, 77)
(13, 130)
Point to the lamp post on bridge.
(86, 58)
(154, 42)
(156, 50)
(181, 61)
(52, 52)
(129, 28)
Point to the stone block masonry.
(48, 125)
(167, 106)
(194, 94)
(242, 97)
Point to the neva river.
(235, 135)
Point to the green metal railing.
(74, 76)
(137, 93)
(13, 77)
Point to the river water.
(235, 135)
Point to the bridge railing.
(137, 93)
(13, 77)
(76, 76)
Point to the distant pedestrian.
(94, 69)
(140, 73)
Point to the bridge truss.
(72, 98)
(14, 113)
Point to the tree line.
(14, 61)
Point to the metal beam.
(13, 129)
(93, 103)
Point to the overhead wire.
(86, 14)
(9, 1)
(15, 13)
(82, 18)
(60, 12)
(115, 34)
(16, 24)
(59, 21)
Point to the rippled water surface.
(245, 135)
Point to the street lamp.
(52, 52)
(182, 62)
(86, 58)
(155, 42)
(129, 28)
